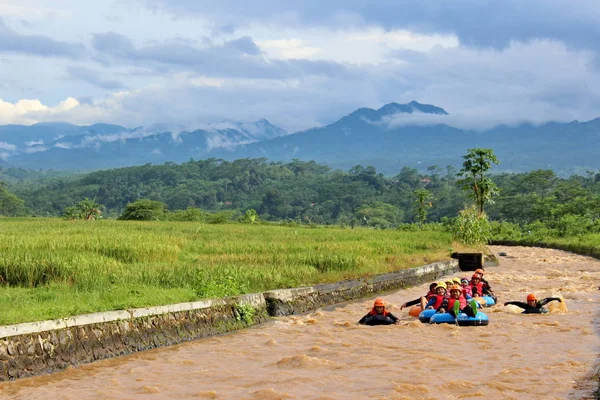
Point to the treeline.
(306, 192)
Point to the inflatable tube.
(442, 318)
(415, 311)
(378, 320)
(481, 319)
(426, 315)
(489, 301)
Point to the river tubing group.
(455, 301)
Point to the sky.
(186, 63)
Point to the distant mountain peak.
(413, 106)
(372, 115)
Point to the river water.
(326, 355)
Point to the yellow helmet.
(442, 284)
(456, 280)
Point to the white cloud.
(7, 146)
(35, 149)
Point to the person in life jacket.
(466, 288)
(486, 283)
(533, 305)
(436, 300)
(423, 299)
(379, 310)
(481, 272)
(456, 303)
(478, 288)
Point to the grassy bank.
(52, 268)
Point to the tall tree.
(477, 163)
(422, 203)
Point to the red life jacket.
(439, 299)
(429, 295)
(372, 312)
(461, 300)
(478, 288)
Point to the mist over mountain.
(365, 136)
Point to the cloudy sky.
(190, 62)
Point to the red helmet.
(476, 276)
(379, 303)
(479, 271)
(531, 297)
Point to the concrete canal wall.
(41, 347)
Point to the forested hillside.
(307, 192)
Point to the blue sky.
(186, 63)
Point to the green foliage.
(245, 312)
(250, 216)
(189, 214)
(422, 203)
(144, 210)
(10, 204)
(471, 227)
(380, 215)
(85, 209)
(505, 230)
(477, 163)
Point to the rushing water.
(326, 355)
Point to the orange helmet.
(476, 276)
(531, 297)
(379, 303)
(479, 271)
(455, 287)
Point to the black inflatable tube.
(378, 320)
(474, 322)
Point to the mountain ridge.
(362, 136)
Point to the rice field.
(51, 268)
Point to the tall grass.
(52, 268)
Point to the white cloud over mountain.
(189, 63)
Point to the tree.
(86, 209)
(10, 204)
(144, 210)
(423, 197)
(250, 215)
(477, 163)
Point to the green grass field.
(51, 268)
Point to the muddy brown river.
(326, 355)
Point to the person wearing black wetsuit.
(533, 305)
(379, 315)
(421, 300)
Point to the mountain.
(388, 138)
(368, 137)
(65, 146)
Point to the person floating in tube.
(478, 288)
(458, 303)
(379, 315)
(533, 305)
(487, 285)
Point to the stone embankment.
(41, 347)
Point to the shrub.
(144, 210)
(471, 227)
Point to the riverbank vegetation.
(52, 268)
